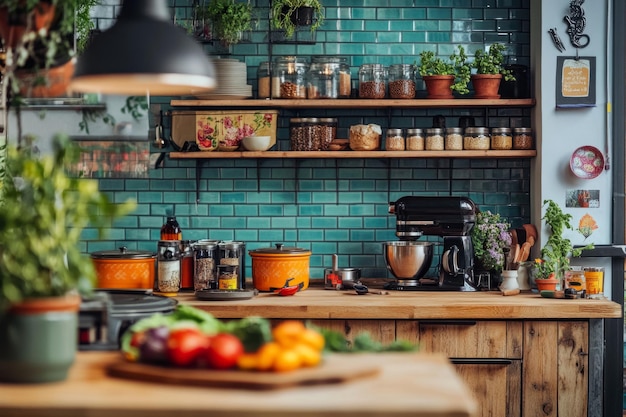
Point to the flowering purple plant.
(490, 238)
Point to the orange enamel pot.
(274, 268)
(124, 269)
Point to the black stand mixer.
(449, 217)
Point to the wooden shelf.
(355, 103)
(354, 154)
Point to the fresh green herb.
(363, 342)
(491, 62)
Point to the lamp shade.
(143, 53)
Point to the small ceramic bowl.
(257, 143)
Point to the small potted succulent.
(489, 72)
(558, 249)
(288, 15)
(442, 77)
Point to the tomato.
(186, 346)
(223, 351)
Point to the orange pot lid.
(123, 253)
(280, 249)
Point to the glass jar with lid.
(326, 77)
(394, 141)
(522, 138)
(454, 139)
(476, 138)
(290, 72)
(501, 138)
(168, 266)
(401, 81)
(205, 254)
(327, 131)
(414, 139)
(434, 140)
(264, 80)
(305, 134)
(372, 81)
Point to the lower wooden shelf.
(354, 154)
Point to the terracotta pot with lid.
(274, 268)
(123, 268)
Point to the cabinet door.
(494, 383)
(555, 380)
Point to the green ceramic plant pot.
(37, 346)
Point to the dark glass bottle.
(171, 229)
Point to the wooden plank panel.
(539, 373)
(515, 339)
(573, 354)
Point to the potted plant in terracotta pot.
(558, 249)
(39, 38)
(288, 15)
(489, 72)
(443, 77)
(42, 269)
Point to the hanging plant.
(287, 15)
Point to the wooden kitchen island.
(408, 384)
(521, 356)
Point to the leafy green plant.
(490, 62)
(230, 19)
(555, 254)
(456, 65)
(41, 221)
(284, 12)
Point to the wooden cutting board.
(333, 370)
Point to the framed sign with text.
(576, 82)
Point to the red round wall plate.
(587, 162)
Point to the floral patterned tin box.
(222, 130)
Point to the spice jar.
(454, 139)
(522, 138)
(168, 266)
(575, 279)
(227, 277)
(414, 140)
(234, 254)
(394, 141)
(402, 81)
(264, 79)
(205, 253)
(434, 139)
(372, 81)
(501, 138)
(476, 138)
(186, 264)
(291, 72)
(326, 77)
(304, 134)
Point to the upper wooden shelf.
(355, 103)
(354, 154)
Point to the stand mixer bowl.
(408, 259)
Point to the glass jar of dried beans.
(291, 73)
(372, 81)
(402, 81)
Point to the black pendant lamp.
(143, 53)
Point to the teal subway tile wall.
(334, 205)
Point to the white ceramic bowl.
(256, 143)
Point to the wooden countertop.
(317, 303)
(409, 384)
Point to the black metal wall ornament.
(556, 39)
(576, 23)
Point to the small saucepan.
(341, 278)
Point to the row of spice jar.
(200, 265)
(328, 77)
(457, 139)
